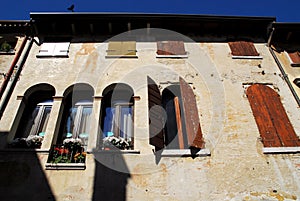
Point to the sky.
(284, 11)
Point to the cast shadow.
(22, 177)
(111, 176)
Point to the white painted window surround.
(59, 49)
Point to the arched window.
(272, 121)
(34, 119)
(76, 118)
(117, 116)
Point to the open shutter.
(243, 48)
(273, 123)
(156, 121)
(191, 118)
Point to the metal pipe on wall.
(16, 77)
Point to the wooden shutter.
(273, 123)
(243, 48)
(295, 57)
(170, 48)
(121, 49)
(191, 118)
(156, 121)
(61, 49)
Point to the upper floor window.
(7, 44)
(243, 50)
(173, 117)
(273, 123)
(125, 49)
(54, 49)
(117, 117)
(171, 49)
(294, 57)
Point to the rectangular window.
(124, 49)
(169, 49)
(243, 50)
(57, 49)
(294, 57)
(78, 122)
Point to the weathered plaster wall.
(236, 170)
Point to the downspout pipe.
(11, 68)
(16, 77)
(284, 75)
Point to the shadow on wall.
(111, 175)
(22, 178)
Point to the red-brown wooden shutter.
(243, 48)
(156, 118)
(170, 48)
(295, 57)
(270, 116)
(191, 118)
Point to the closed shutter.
(273, 123)
(156, 119)
(191, 118)
(243, 48)
(58, 49)
(170, 48)
(295, 57)
(47, 49)
(121, 49)
(61, 49)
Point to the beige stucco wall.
(236, 170)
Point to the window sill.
(24, 150)
(281, 150)
(246, 57)
(7, 53)
(184, 152)
(65, 166)
(295, 64)
(172, 56)
(52, 56)
(120, 56)
(117, 151)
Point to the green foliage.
(5, 47)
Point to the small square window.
(124, 49)
(59, 49)
(294, 57)
(243, 50)
(171, 49)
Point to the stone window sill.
(65, 166)
(116, 152)
(281, 150)
(246, 57)
(172, 56)
(184, 152)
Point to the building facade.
(108, 106)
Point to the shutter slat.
(156, 118)
(190, 116)
(273, 123)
